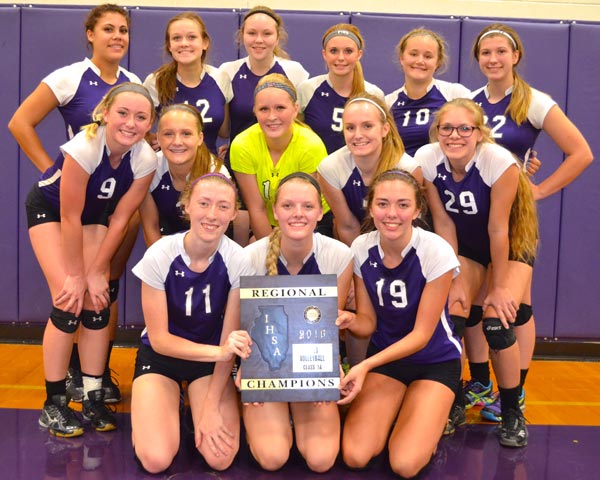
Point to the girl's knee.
(270, 458)
(154, 460)
(406, 467)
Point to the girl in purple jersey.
(188, 78)
(402, 276)
(517, 113)
(322, 98)
(421, 53)
(191, 304)
(482, 204)
(183, 157)
(108, 167)
(295, 249)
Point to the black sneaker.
(102, 418)
(112, 394)
(512, 431)
(74, 385)
(456, 418)
(59, 419)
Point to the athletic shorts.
(479, 257)
(446, 373)
(325, 225)
(148, 361)
(39, 210)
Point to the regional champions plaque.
(295, 342)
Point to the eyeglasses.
(463, 131)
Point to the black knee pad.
(459, 325)
(113, 290)
(524, 314)
(65, 321)
(93, 320)
(498, 337)
(475, 315)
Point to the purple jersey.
(323, 108)
(395, 293)
(79, 89)
(196, 301)
(414, 117)
(340, 171)
(210, 97)
(467, 202)
(519, 139)
(106, 185)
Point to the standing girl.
(322, 98)
(295, 249)
(188, 79)
(402, 277)
(191, 304)
(107, 167)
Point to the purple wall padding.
(577, 302)
(10, 204)
(382, 33)
(549, 76)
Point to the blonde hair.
(392, 147)
(280, 81)
(476, 112)
(358, 77)
(521, 94)
(166, 75)
(205, 162)
(107, 101)
(282, 35)
(213, 177)
(442, 57)
(523, 222)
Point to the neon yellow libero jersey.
(250, 154)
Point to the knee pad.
(113, 290)
(65, 321)
(93, 320)
(459, 325)
(524, 314)
(498, 337)
(475, 315)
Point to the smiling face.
(297, 208)
(497, 58)
(275, 112)
(187, 41)
(459, 150)
(341, 54)
(420, 58)
(128, 119)
(179, 137)
(109, 37)
(364, 130)
(259, 36)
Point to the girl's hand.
(238, 343)
(71, 296)
(352, 383)
(345, 319)
(212, 433)
(502, 301)
(98, 291)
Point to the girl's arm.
(576, 149)
(442, 223)
(502, 196)
(346, 224)
(259, 220)
(22, 125)
(150, 220)
(364, 321)
(343, 285)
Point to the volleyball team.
(420, 201)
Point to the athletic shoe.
(477, 394)
(493, 411)
(112, 394)
(512, 431)
(59, 419)
(456, 418)
(74, 385)
(102, 418)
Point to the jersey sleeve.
(150, 84)
(64, 81)
(293, 70)
(360, 248)
(87, 152)
(495, 161)
(222, 80)
(153, 268)
(436, 255)
(450, 91)
(407, 163)
(332, 169)
(143, 159)
(426, 158)
(541, 104)
(132, 77)
(374, 90)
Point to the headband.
(266, 12)
(401, 173)
(368, 100)
(343, 33)
(129, 87)
(215, 175)
(281, 86)
(302, 176)
(499, 32)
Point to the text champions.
(289, 383)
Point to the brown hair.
(442, 59)
(358, 78)
(98, 12)
(186, 195)
(521, 93)
(523, 222)
(282, 35)
(166, 75)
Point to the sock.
(90, 383)
(480, 372)
(55, 388)
(524, 373)
(509, 398)
(110, 347)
